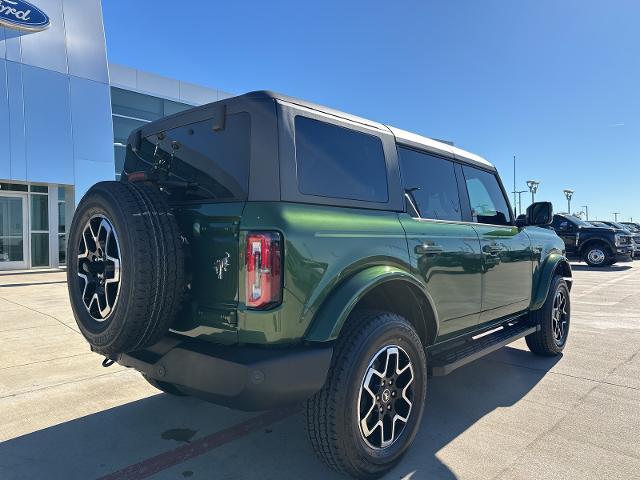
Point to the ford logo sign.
(22, 15)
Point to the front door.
(506, 249)
(444, 250)
(567, 231)
(13, 231)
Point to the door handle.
(424, 249)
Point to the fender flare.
(332, 315)
(554, 262)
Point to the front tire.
(554, 319)
(369, 411)
(597, 255)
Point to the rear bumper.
(243, 378)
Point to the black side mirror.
(539, 214)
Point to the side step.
(445, 362)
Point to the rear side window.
(339, 162)
(214, 163)
(488, 204)
(430, 185)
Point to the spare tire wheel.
(125, 269)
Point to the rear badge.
(222, 265)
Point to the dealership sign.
(22, 15)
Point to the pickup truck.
(263, 251)
(597, 245)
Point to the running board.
(443, 363)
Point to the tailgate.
(211, 232)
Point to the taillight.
(264, 269)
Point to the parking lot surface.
(509, 415)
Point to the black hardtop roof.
(407, 138)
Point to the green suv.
(262, 251)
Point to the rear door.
(444, 250)
(506, 249)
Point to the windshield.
(618, 225)
(578, 221)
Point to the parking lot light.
(586, 211)
(568, 194)
(533, 188)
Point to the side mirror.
(539, 214)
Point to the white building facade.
(65, 115)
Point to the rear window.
(215, 164)
(338, 162)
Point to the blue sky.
(555, 83)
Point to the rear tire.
(126, 272)
(554, 319)
(349, 422)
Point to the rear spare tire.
(125, 271)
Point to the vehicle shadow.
(108, 441)
(610, 268)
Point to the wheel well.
(563, 269)
(407, 301)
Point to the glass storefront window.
(11, 230)
(13, 187)
(62, 249)
(39, 226)
(40, 212)
(62, 225)
(40, 249)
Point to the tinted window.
(430, 185)
(338, 162)
(488, 204)
(560, 223)
(215, 163)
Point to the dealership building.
(65, 115)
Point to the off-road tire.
(543, 342)
(165, 387)
(152, 267)
(332, 421)
(608, 258)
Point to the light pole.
(533, 188)
(586, 210)
(615, 216)
(518, 206)
(568, 194)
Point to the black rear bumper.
(240, 377)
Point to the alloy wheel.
(99, 267)
(386, 397)
(560, 318)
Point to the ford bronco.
(263, 251)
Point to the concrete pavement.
(508, 416)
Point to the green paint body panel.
(334, 256)
(334, 313)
